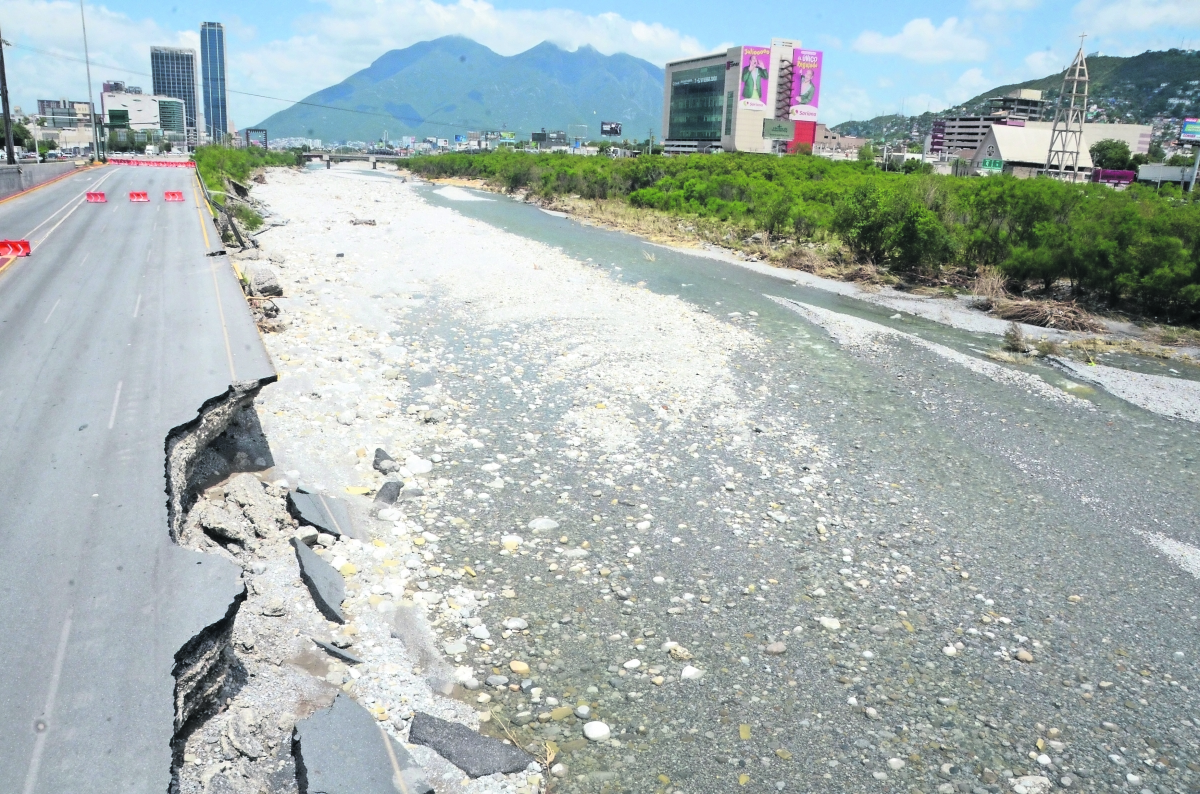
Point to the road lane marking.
(52, 308)
(7, 262)
(55, 226)
(112, 417)
(43, 723)
(216, 291)
(50, 217)
(137, 305)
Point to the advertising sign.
(460, 138)
(756, 65)
(806, 84)
(508, 135)
(538, 137)
(1190, 131)
(778, 129)
(610, 128)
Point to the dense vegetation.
(1134, 249)
(219, 163)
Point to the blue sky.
(879, 57)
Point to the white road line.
(137, 305)
(60, 209)
(1185, 556)
(52, 308)
(60, 223)
(43, 723)
(112, 417)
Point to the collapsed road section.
(111, 337)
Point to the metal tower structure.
(1066, 137)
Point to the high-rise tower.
(173, 71)
(1066, 137)
(212, 79)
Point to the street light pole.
(91, 103)
(8, 130)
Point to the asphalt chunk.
(327, 586)
(469, 751)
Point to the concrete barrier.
(15, 178)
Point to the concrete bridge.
(329, 158)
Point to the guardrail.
(153, 163)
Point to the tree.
(1156, 153)
(1110, 154)
(866, 154)
(1179, 159)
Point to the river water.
(1005, 570)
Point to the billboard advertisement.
(508, 135)
(756, 65)
(610, 128)
(1190, 130)
(460, 138)
(538, 137)
(806, 84)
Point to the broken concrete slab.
(323, 512)
(469, 751)
(343, 750)
(389, 492)
(384, 463)
(327, 586)
(340, 653)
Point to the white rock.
(496, 484)
(543, 524)
(633, 664)
(597, 731)
(347, 417)
(418, 465)
(950, 650)
(490, 467)
(515, 624)
(1032, 784)
(896, 763)
(1043, 760)
(830, 624)
(558, 770)
(643, 525)
(480, 633)
(690, 673)
(583, 711)
(511, 542)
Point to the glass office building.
(173, 71)
(212, 77)
(695, 104)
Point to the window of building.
(695, 113)
(729, 113)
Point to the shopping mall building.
(745, 99)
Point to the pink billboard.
(756, 65)
(806, 84)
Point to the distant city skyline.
(173, 74)
(879, 59)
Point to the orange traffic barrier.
(97, 198)
(14, 248)
(173, 195)
(154, 163)
(138, 195)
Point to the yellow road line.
(216, 292)
(4, 266)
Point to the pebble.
(597, 731)
(583, 711)
(776, 648)
(690, 673)
(543, 524)
(633, 664)
(418, 465)
(896, 763)
(455, 648)
(511, 542)
(1024, 655)
(347, 417)
(950, 650)
(558, 770)
(480, 633)
(515, 624)
(518, 667)
(830, 624)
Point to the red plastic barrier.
(97, 198)
(156, 163)
(14, 248)
(138, 195)
(173, 195)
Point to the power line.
(62, 57)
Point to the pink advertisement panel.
(756, 65)
(806, 84)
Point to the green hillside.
(452, 85)
(1136, 90)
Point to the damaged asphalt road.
(112, 335)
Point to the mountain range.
(1140, 89)
(451, 85)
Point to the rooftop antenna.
(1066, 137)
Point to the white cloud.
(969, 84)
(337, 38)
(1121, 16)
(920, 41)
(1043, 63)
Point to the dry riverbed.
(656, 549)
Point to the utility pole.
(8, 130)
(1191, 185)
(91, 103)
